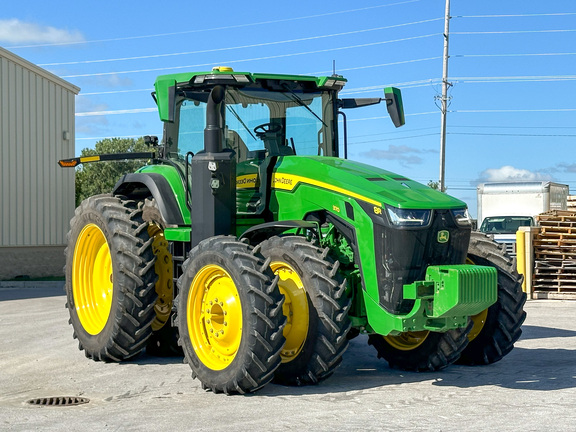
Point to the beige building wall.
(36, 195)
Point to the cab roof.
(226, 75)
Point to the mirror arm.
(345, 130)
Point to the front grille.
(403, 255)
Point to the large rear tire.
(496, 329)
(316, 307)
(230, 317)
(421, 351)
(110, 278)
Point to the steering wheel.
(266, 128)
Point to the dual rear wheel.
(249, 316)
(245, 315)
(110, 278)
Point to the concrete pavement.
(532, 389)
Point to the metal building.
(36, 195)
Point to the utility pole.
(444, 99)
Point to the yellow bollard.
(521, 255)
(525, 257)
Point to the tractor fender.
(261, 232)
(141, 185)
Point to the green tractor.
(247, 243)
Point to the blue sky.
(512, 113)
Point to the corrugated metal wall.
(36, 195)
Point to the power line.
(216, 28)
(516, 110)
(515, 15)
(514, 55)
(393, 132)
(147, 110)
(462, 80)
(252, 59)
(403, 86)
(116, 91)
(115, 112)
(377, 65)
(394, 139)
(386, 117)
(263, 44)
(511, 134)
(514, 127)
(514, 32)
(539, 78)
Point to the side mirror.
(394, 105)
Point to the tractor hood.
(360, 181)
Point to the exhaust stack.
(213, 179)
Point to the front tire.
(229, 316)
(110, 278)
(421, 351)
(316, 308)
(496, 329)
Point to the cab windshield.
(260, 121)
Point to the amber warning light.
(68, 163)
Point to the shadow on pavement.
(536, 332)
(537, 369)
(7, 294)
(527, 369)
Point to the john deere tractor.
(249, 241)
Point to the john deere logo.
(443, 236)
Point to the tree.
(434, 184)
(100, 177)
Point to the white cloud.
(510, 173)
(404, 154)
(569, 168)
(14, 31)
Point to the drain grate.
(59, 401)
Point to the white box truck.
(504, 207)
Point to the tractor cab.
(275, 115)
(259, 126)
(263, 117)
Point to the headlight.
(462, 217)
(409, 217)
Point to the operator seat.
(234, 142)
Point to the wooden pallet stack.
(555, 256)
(572, 203)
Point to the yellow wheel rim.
(478, 320)
(164, 269)
(92, 279)
(407, 341)
(214, 316)
(295, 309)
